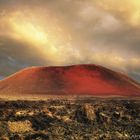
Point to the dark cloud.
(15, 56)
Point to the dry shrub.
(20, 126)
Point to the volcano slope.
(69, 80)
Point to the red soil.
(70, 80)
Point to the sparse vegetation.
(80, 119)
(20, 126)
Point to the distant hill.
(69, 80)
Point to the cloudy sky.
(65, 32)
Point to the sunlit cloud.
(51, 41)
(126, 10)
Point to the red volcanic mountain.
(69, 80)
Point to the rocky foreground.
(88, 119)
